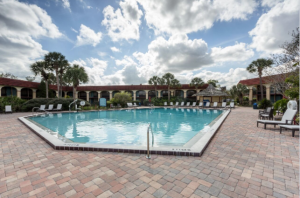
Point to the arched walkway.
(70, 94)
(189, 95)
(8, 91)
(26, 93)
(82, 95)
(140, 95)
(164, 93)
(105, 94)
(151, 94)
(93, 97)
(179, 93)
(114, 92)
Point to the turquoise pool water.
(169, 126)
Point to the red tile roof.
(34, 85)
(255, 81)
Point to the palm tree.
(238, 91)
(155, 80)
(258, 66)
(213, 82)
(41, 68)
(55, 61)
(63, 67)
(76, 75)
(169, 79)
(196, 82)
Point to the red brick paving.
(241, 161)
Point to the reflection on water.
(170, 127)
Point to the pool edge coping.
(195, 151)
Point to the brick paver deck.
(241, 161)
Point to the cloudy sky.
(128, 41)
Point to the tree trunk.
(47, 88)
(57, 81)
(74, 92)
(261, 87)
(169, 93)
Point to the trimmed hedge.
(37, 102)
(66, 102)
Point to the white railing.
(148, 141)
(71, 104)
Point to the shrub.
(280, 105)
(121, 98)
(66, 102)
(263, 104)
(37, 102)
(15, 102)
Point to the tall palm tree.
(155, 80)
(238, 91)
(169, 80)
(196, 82)
(63, 67)
(55, 61)
(76, 75)
(258, 66)
(41, 68)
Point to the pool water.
(169, 126)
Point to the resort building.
(29, 90)
(269, 92)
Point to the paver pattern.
(241, 161)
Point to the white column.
(56, 93)
(268, 93)
(184, 93)
(18, 91)
(66, 93)
(76, 94)
(250, 94)
(87, 96)
(99, 95)
(0, 90)
(134, 94)
(33, 93)
(159, 92)
(147, 91)
(110, 94)
(197, 97)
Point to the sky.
(129, 41)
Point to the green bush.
(263, 104)
(15, 102)
(66, 102)
(280, 105)
(37, 102)
(121, 98)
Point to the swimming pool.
(172, 129)
(169, 126)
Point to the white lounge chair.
(165, 104)
(176, 104)
(215, 105)
(287, 118)
(134, 104)
(188, 104)
(232, 105)
(8, 109)
(50, 108)
(207, 105)
(182, 104)
(129, 105)
(42, 108)
(223, 104)
(291, 127)
(200, 104)
(58, 107)
(171, 104)
(194, 104)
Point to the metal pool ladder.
(148, 147)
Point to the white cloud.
(102, 54)
(178, 16)
(237, 52)
(74, 30)
(114, 49)
(273, 27)
(87, 36)
(270, 3)
(94, 67)
(123, 23)
(66, 4)
(20, 24)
